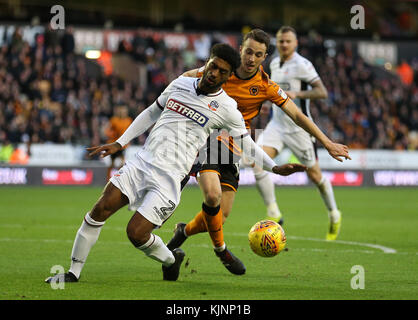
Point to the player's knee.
(136, 235)
(213, 198)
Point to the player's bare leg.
(266, 188)
(210, 219)
(198, 224)
(111, 200)
(212, 213)
(325, 189)
(227, 201)
(139, 231)
(212, 193)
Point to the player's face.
(216, 73)
(286, 43)
(253, 54)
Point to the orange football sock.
(197, 225)
(214, 226)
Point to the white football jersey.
(295, 74)
(187, 119)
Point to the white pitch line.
(200, 245)
(204, 245)
(239, 234)
(363, 244)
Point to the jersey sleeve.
(235, 124)
(307, 72)
(237, 130)
(162, 99)
(273, 64)
(276, 94)
(141, 124)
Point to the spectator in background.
(202, 46)
(67, 42)
(406, 73)
(6, 149)
(47, 95)
(117, 126)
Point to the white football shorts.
(299, 142)
(151, 191)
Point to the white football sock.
(334, 215)
(266, 188)
(273, 211)
(327, 194)
(157, 250)
(86, 237)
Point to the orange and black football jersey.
(251, 93)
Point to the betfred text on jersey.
(188, 112)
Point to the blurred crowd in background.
(47, 94)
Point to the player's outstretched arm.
(335, 150)
(318, 91)
(141, 124)
(289, 168)
(254, 152)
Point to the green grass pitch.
(38, 226)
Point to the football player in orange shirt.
(117, 126)
(250, 86)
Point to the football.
(267, 238)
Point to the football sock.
(197, 225)
(220, 249)
(213, 220)
(86, 237)
(266, 188)
(273, 211)
(157, 250)
(327, 194)
(334, 215)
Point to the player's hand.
(104, 150)
(288, 169)
(338, 151)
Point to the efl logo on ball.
(267, 238)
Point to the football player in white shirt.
(297, 76)
(185, 114)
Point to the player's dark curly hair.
(227, 53)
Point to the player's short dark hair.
(285, 29)
(227, 53)
(259, 36)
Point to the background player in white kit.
(297, 76)
(187, 111)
